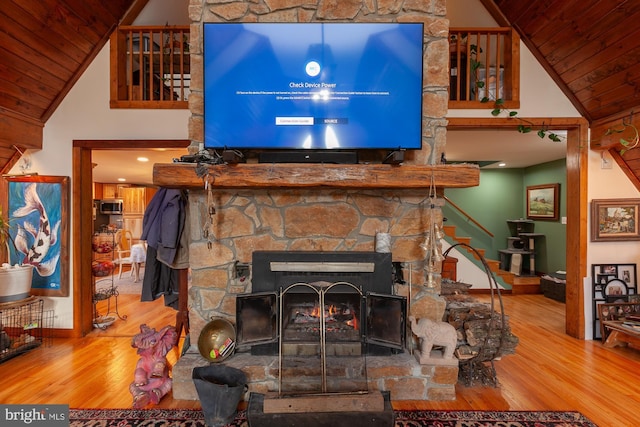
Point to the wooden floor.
(550, 371)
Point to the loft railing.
(484, 68)
(150, 67)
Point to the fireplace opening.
(303, 316)
(349, 292)
(322, 314)
(320, 339)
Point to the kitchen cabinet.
(109, 191)
(133, 223)
(134, 200)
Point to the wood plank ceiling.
(590, 47)
(45, 46)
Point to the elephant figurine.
(151, 379)
(432, 333)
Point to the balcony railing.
(150, 67)
(484, 68)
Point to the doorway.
(577, 203)
(83, 218)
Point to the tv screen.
(313, 85)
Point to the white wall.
(606, 184)
(85, 114)
(540, 96)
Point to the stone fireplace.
(318, 208)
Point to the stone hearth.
(399, 374)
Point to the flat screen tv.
(313, 86)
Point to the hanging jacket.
(165, 229)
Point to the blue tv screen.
(313, 86)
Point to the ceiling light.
(143, 159)
(502, 164)
(122, 179)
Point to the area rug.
(195, 418)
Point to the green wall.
(501, 197)
(552, 254)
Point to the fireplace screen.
(321, 332)
(360, 322)
(320, 339)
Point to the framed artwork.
(615, 288)
(627, 273)
(614, 219)
(612, 283)
(38, 210)
(543, 202)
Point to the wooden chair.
(124, 241)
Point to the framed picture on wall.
(39, 217)
(543, 202)
(614, 220)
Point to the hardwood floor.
(550, 370)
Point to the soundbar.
(304, 156)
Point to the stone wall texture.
(319, 219)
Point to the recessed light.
(122, 179)
(502, 165)
(143, 159)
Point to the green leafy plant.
(525, 127)
(627, 144)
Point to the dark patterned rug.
(195, 418)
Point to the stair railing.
(466, 215)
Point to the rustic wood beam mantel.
(295, 175)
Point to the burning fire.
(332, 313)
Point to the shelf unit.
(522, 241)
(611, 283)
(104, 245)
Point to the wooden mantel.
(296, 175)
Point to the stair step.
(522, 285)
(449, 230)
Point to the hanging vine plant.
(525, 127)
(627, 143)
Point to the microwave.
(111, 207)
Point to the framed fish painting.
(38, 211)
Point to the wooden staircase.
(520, 285)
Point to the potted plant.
(15, 280)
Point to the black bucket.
(220, 389)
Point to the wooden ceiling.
(45, 46)
(590, 47)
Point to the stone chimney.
(318, 219)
